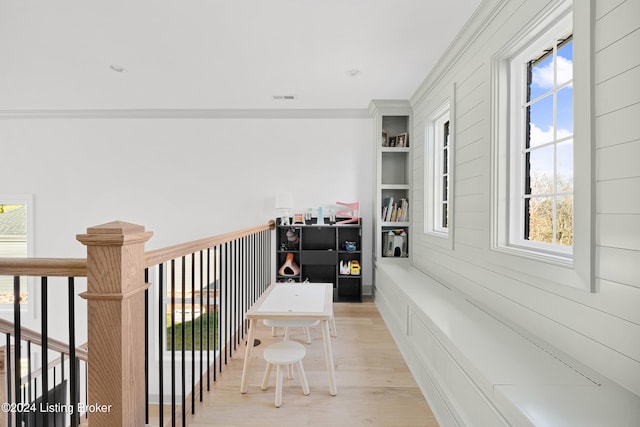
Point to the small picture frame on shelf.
(385, 138)
(402, 140)
(392, 141)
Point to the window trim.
(517, 117)
(578, 272)
(443, 113)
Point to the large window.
(542, 144)
(542, 205)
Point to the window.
(438, 177)
(542, 205)
(541, 201)
(14, 241)
(442, 193)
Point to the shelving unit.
(318, 253)
(393, 165)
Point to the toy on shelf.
(355, 267)
(352, 214)
(345, 267)
(289, 268)
(396, 243)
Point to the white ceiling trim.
(188, 114)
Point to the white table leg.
(328, 353)
(247, 355)
(334, 329)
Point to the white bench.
(477, 369)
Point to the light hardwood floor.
(375, 387)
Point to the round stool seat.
(284, 353)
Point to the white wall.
(182, 179)
(602, 329)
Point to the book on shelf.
(395, 211)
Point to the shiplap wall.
(601, 329)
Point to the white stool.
(284, 353)
(286, 324)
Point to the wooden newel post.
(115, 300)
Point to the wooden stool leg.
(307, 334)
(265, 378)
(303, 378)
(278, 386)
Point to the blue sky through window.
(541, 112)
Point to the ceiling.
(219, 54)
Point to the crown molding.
(481, 18)
(171, 113)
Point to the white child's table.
(286, 301)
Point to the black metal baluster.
(183, 371)
(173, 343)
(162, 333)
(73, 373)
(226, 300)
(241, 290)
(232, 312)
(261, 258)
(193, 332)
(202, 313)
(146, 348)
(61, 377)
(9, 391)
(29, 375)
(267, 257)
(209, 319)
(86, 388)
(235, 293)
(76, 386)
(255, 267)
(243, 284)
(54, 393)
(45, 348)
(238, 297)
(17, 343)
(217, 303)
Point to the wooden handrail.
(158, 256)
(77, 267)
(44, 267)
(35, 337)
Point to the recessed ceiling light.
(354, 72)
(118, 68)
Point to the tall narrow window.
(542, 144)
(443, 197)
(438, 176)
(541, 165)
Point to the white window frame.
(575, 269)
(435, 171)
(517, 139)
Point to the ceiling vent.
(284, 97)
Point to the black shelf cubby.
(317, 251)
